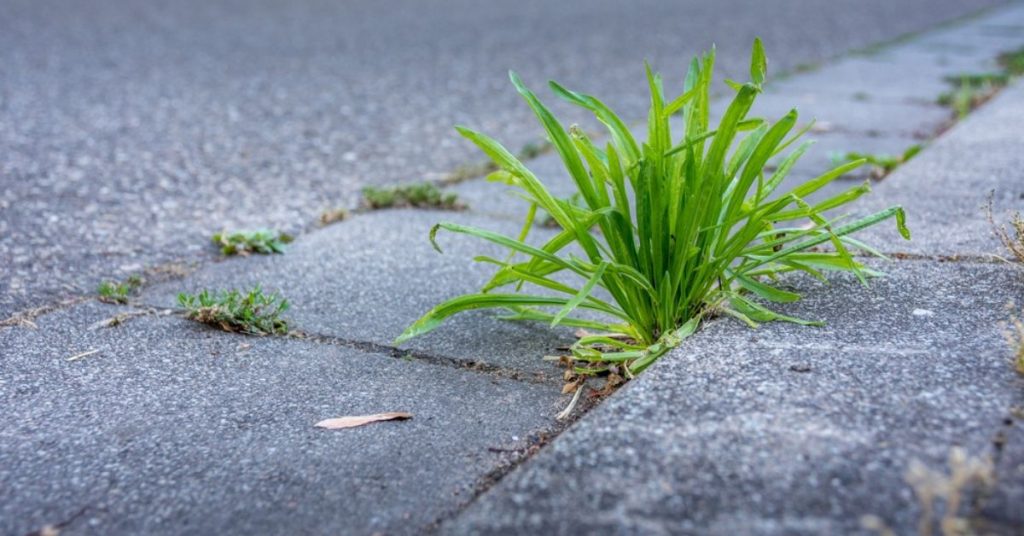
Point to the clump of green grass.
(252, 312)
(119, 293)
(1012, 61)
(262, 241)
(881, 164)
(419, 195)
(670, 229)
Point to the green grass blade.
(583, 294)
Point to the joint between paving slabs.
(513, 459)
(26, 317)
(459, 174)
(496, 371)
(169, 271)
(140, 310)
(967, 258)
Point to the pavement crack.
(965, 258)
(26, 318)
(363, 346)
(512, 458)
(53, 529)
(434, 359)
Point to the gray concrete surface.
(175, 428)
(982, 159)
(131, 132)
(785, 430)
(367, 279)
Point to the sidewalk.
(173, 427)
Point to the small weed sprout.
(1014, 244)
(972, 90)
(533, 150)
(1012, 62)
(119, 293)
(420, 195)
(252, 313)
(668, 228)
(1013, 330)
(262, 241)
(881, 164)
(465, 172)
(930, 487)
(333, 215)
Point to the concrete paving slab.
(368, 278)
(874, 80)
(830, 148)
(173, 428)
(1002, 506)
(868, 117)
(785, 430)
(946, 188)
(936, 62)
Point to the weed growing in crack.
(972, 90)
(262, 241)
(119, 293)
(930, 487)
(935, 489)
(333, 215)
(468, 171)
(529, 151)
(420, 195)
(1015, 243)
(533, 150)
(1012, 62)
(881, 164)
(669, 229)
(1013, 330)
(252, 313)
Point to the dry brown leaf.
(76, 357)
(359, 420)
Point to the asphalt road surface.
(129, 132)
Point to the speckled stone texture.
(175, 428)
(131, 133)
(367, 279)
(787, 429)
